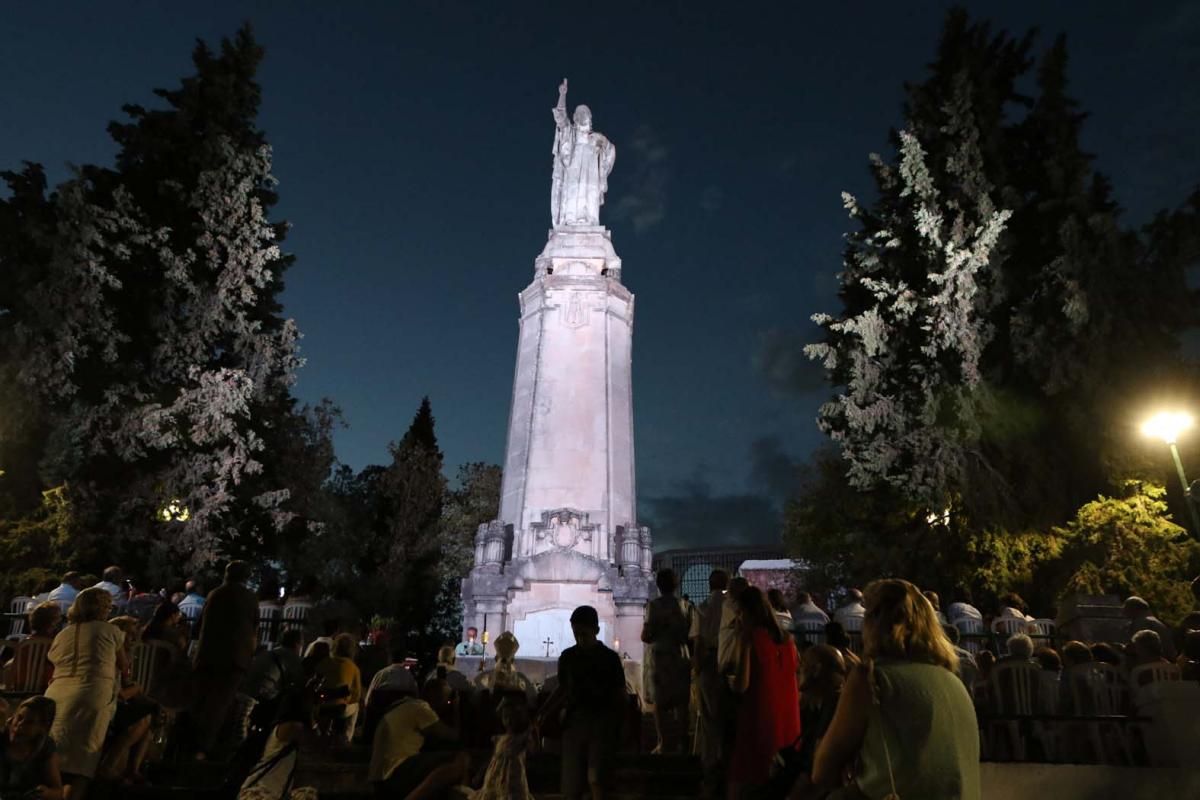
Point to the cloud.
(644, 203)
(694, 516)
(711, 199)
(773, 470)
(781, 361)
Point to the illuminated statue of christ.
(582, 161)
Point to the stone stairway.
(342, 776)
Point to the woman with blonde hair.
(88, 659)
(904, 715)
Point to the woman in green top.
(904, 714)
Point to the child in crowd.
(505, 776)
(28, 762)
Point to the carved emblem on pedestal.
(575, 312)
(563, 528)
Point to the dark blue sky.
(412, 149)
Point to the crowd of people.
(778, 696)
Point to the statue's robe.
(586, 161)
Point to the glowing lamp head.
(1167, 425)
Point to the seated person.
(1074, 654)
(968, 670)
(836, 636)
(445, 669)
(129, 733)
(271, 778)
(388, 686)
(471, 647)
(169, 627)
(329, 631)
(1105, 653)
(1146, 648)
(44, 622)
(29, 765)
(399, 767)
(822, 673)
(1013, 607)
(273, 674)
(314, 656)
(1020, 649)
(962, 607)
(936, 602)
(1048, 659)
(341, 684)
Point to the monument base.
(538, 669)
(534, 598)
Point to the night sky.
(412, 145)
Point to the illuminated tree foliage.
(143, 326)
(998, 326)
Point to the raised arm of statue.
(560, 111)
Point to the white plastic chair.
(1004, 627)
(268, 619)
(1099, 690)
(19, 605)
(1016, 692)
(30, 667)
(295, 615)
(1147, 674)
(809, 630)
(1043, 631)
(972, 634)
(147, 660)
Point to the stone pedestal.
(567, 532)
(1092, 618)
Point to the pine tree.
(412, 492)
(470, 504)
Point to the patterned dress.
(505, 776)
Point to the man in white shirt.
(850, 616)
(962, 607)
(329, 629)
(398, 768)
(471, 647)
(113, 582)
(1013, 607)
(192, 603)
(65, 594)
(446, 660)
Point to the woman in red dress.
(768, 711)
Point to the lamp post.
(1167, 425)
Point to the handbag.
(875, 709)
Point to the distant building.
(774, 573)
(693, 564)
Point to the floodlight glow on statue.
(582, 161)
(567, 533)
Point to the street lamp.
(1167, 425)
